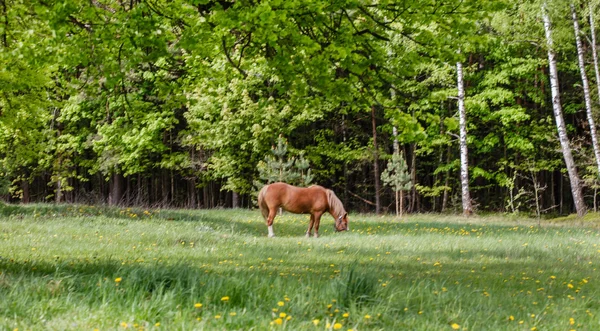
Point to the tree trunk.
(25, 188)
(115, 190)
(560, 124)
(464, 153)
(401, 202)
(59, 194)
(594, 52)
(375, 163)
(192, 193)
(235, 200)
(446, 182)
(586, 89)
(396, 152)
(413, 178)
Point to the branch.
(75, 21)
(231, 61)
(376, 35)
(362, 199)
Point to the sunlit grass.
(85, 268)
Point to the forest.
(460, 106)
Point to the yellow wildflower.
(455, 326)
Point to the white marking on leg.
(271, 234)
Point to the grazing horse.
(314, 200)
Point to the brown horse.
(314, 200)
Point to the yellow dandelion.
(217, 316)
(225, 299)
(367, 316)
(534, 329)
(282, 315)
(123, 324)
(337, 326)
(316, 322)
(511, 318)
(233, 313)
(570, 285)
(571, 321)
(197, 305)
(118, 279)
(288, 318)
(157, 324)
(281, 303)
(346, 315)
(278, 321)
(329, 306)
(455, 326)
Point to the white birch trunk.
(594, 52)
(464, 153)
(586, 88)
(560, 124)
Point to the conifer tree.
(397, 177)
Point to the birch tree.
(594, 52)
(586, 88)
(560, 123)
(464, 153)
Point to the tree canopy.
(178, 103)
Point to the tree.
(594, 50)
(397, 177)
(586, 88)
(464, 153)
(558, 116)
(279, 167)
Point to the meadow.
(99, 268)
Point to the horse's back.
(296, 199)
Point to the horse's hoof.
(316, 235)
(271, 236)
(307, 235)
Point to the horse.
(314, 200)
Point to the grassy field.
(86, 268)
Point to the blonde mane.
(336, 208)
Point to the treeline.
(183, 103)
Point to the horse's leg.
(270, 218)
(317, 218)
(310, 225)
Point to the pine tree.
(278, 167)
(397, 177)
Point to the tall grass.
(86, 268)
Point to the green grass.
(59, 265)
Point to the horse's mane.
(335, 205)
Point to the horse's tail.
(261, 198)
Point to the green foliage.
(279, 167)
(396, 174)
(200, 90)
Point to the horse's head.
(341, 223)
